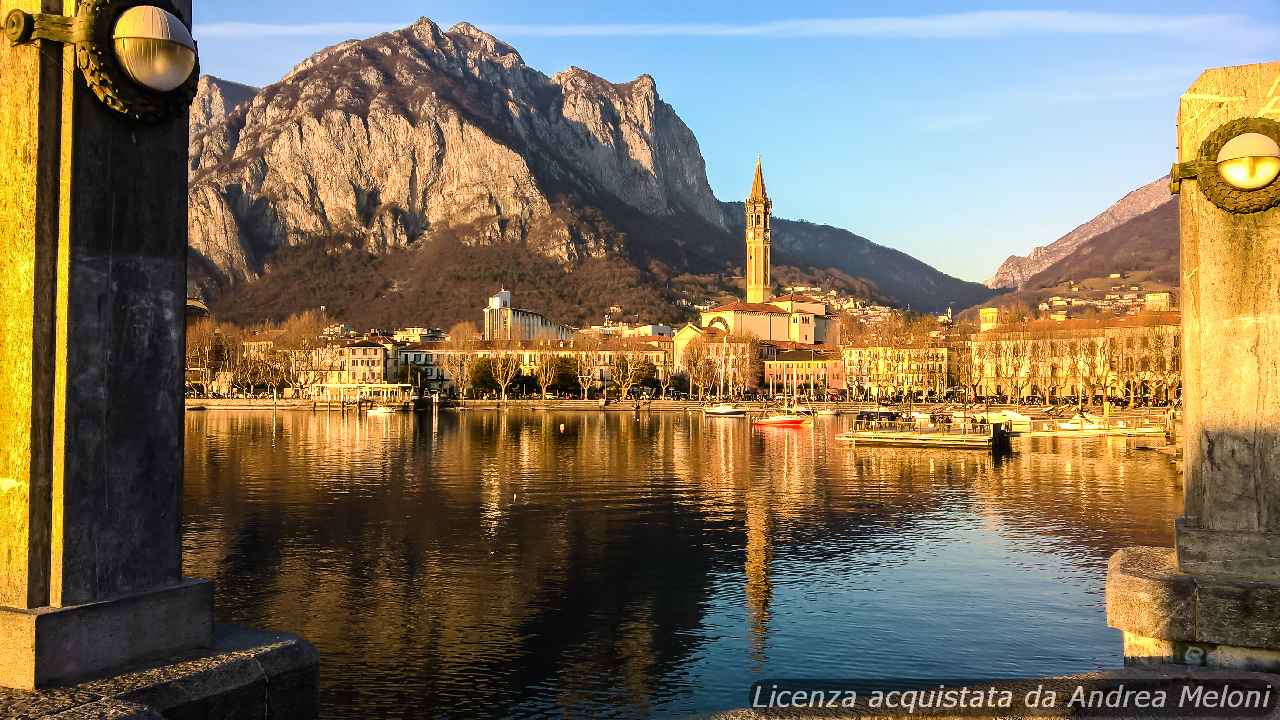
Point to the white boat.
(381, 410)
(783, 420)
(1079, 422)
(724, 410)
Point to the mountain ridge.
(1014, 272)
(423, 136)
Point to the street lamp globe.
(1249, 161)
(154, 47)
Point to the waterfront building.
(717, 342)
(909, 368)
(805, 370)
(504, 322)
(1125, 358)
(363, 362)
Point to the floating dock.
(952, 441)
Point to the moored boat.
(782, 420)
(724, 410)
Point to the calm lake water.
(542, 565)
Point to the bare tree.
(458, 359)
(699, 366)
(504, 366)
(546, 370)
(586, 359)
(625, 370)
(743, 364)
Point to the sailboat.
(723, 409)
(791, 415)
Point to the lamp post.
(93, 245)
(1214, 599)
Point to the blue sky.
(959, 133)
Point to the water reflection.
(543, 564)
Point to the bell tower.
(759, 211)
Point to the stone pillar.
(93, 217)
(1215, 600)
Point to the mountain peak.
(1016, 270)
(580, 80)
(478, 37)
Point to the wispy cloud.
(983, 24)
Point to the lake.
(541, 564)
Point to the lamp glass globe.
(154, 47)
(1249, 161)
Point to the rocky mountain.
(1147, 243)
(214, 101)
(1017, 270)
(425, 142)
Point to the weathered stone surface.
(45, 646)
(28, 217)
(1231, 343)
(1150, 597)
(92, 294)
(1147, 595)
(245, 674)
(1242, 553)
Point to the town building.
(809, 372)
(1158, 301)
(1128, 358)
(989, 318)
(418, 335)
(771, 322)
(615, 329)
(504, 322)
(363, 362)
(918, 369)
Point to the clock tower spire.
(759, 211)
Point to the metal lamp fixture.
(136, 56)
(1249, 162)
(1237, 166)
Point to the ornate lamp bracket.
(90, 31)
(1204, 169)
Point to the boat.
(724, 410)
(829, 412)
(1081, 422)
(783, 419)
(972, 441)
(381, 410)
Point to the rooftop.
(750, 307)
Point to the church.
(786, 322)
